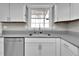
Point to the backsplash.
(73, 26)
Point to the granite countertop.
(71, 38)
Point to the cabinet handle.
(40, 47)
(66, 45)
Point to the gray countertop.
(71, 38)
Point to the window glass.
(33, 25)
(46, 25)
(42, 25)
(40, 18)
(36, 25)
(33, 21)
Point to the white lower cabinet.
(58, 46)
(48, 49)
(40, 47)
(37, 47)
(31, 49)
(68, 49)
(1, 47)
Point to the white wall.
(14, 26)
(60, 27)
(73, 26)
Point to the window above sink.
(39, 16)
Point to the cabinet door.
(1, 47)
(62, 11)
(13, 46)
(68, 49)
(40, 47)
(48, 49)
(4, 11)
(65, 51)
(58, 47)
(74, 11)
(17, 11)
(31, 49)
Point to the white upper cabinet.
(62, 11)
(4, 11)
(17, 11)
(74, 11)
(12, 11)
(66, 11)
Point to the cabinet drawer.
(71, 47)
(40, 40)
